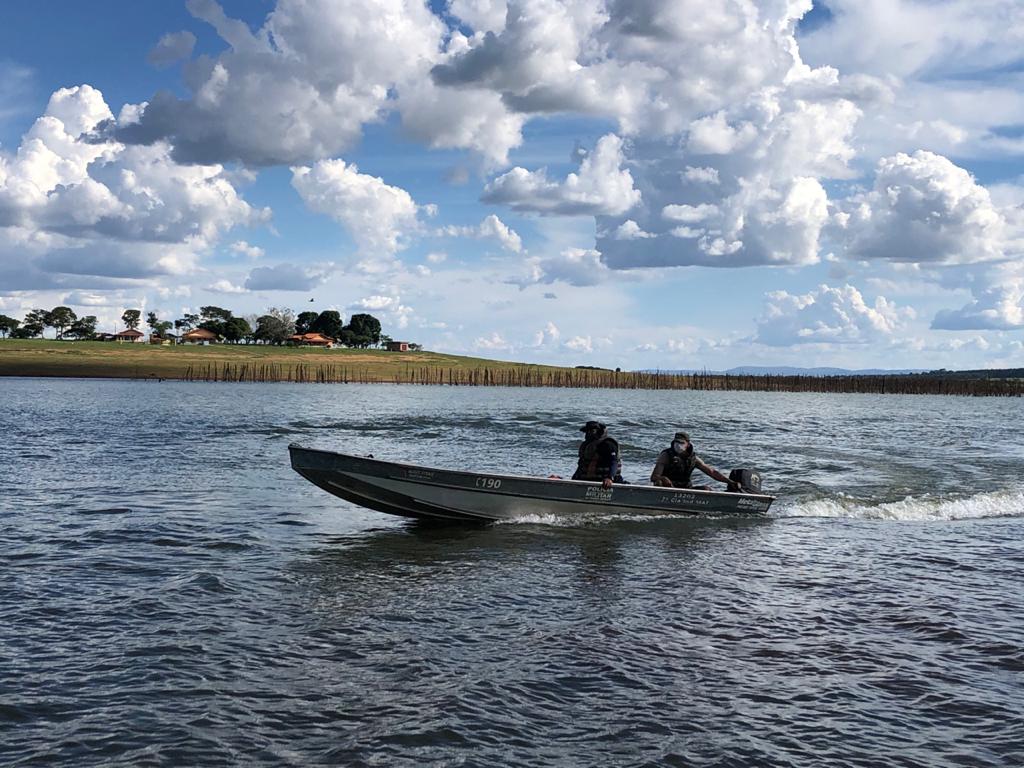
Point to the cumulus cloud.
(287, 277)
(546, 336)
(299, 88)
(243, 248)
(490, 227)
(580, 344)
(575, 266)
(226, 286)
(494, 342)
(105, 209)
(601, 187)
(827, 315)
(998, 302)
(395, 312)
(379, 217)
(923, 209)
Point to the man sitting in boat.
(676, 464)
(599, 456)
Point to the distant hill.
(788, 370)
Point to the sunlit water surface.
(171, 593)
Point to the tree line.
(275, 326)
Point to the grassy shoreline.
(101, 359)
(259, 363)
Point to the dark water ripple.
(172, 594)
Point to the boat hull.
(440, 494)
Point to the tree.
(131, 318)
(415, 347)
(384, 340)
(83, 327)
(60, 318)
(215, 319)
(8, 325)
(236, 329)
(270, 329)
(365, 330)
(304, 322)
(186, 323)
(328, 323)
(157, 327)
(34, 324)
(286, 316)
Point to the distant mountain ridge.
(789, 370)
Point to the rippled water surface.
(171, 593)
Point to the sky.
(644, 184)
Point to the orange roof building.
(199, 336)
(312, 340)
(128, 334)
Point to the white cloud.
(548, 335)
(494, 342)
(379, 217)
(470, 118)
(629, 230)
(287, 277)
(480, 15)
(998, 302)
(490, 227)
(827, 315)
(924, 209)
(704, 175)
(298, 89)
(580, 344)
(575, 266)
(395, 312)
(602, 186)
(243, 248)
(689, 214)
(102, 208)
(226, 286)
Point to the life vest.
(678, 468)
(589, 466)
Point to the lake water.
(171, 593)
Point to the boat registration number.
(488, 483)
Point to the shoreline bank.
(267, 364)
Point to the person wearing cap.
(676, 463)
(599, 456)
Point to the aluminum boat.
(442, 494)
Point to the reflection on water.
(172, 593)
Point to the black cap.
(592, 425)
(682, 436)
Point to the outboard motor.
(749, 480)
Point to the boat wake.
(992, 504)
(1003, 503)
(576, 521)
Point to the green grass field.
(101, 359)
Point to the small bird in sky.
(311, 299)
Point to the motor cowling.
(749, 480)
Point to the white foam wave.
(575, 521)
(1005, 503)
